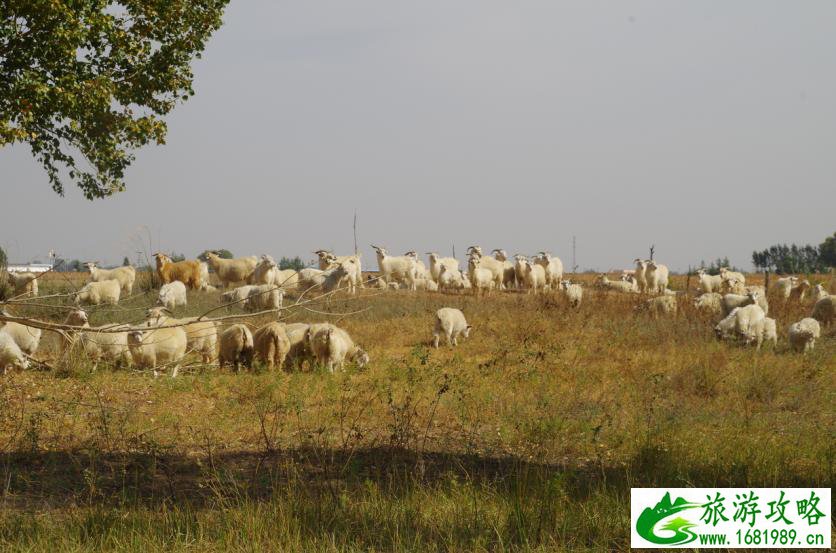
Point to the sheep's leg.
(435, 340)
(175, 371)
(450, 339)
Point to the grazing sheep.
(818, 293)
(509, 278)
(11, 355)
(660, 305)
(552, 268)
(710, 302)
(481, 279)
(172, 295)
(573, 292)
(97, 345)
(709, 283)
(803, 334)
(656, 276)
(437, 263)
(25, 284)
(27, 338)
(95, 293)
(158, 346)
(401, 269)
(125, 275)
(230, 271)
(297, 338)
(201, 336)
(627, 287)
(263, 297)
(730, 301)
(531, 275)
(824, 311)
(236, 344)
(332, 345)
(742, 322)
(450, 322)
(189, 272)
(271, 344)
(725, 274)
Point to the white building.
(29, 268)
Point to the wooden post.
(652, 251)
(355, 232)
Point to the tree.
(827, 251)
(222, 253)
(3, 259)
(126, 262)
(93, 79)
(296, 263)
(789, 259)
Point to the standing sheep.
(230, 271)
(531, 275)
(656, 276)
(354, 278)
(509, 278)
(299, 352)
(824, 311)
(450, 322)
(709, 283)
(803, 334)
(172, 295)
(271, 344)
(97, 345)
(125, 275)
(236, 346)
(332, 345)
(481, 279)
(201, 335)
(818, 293)
(95, 293)
(641, 280)
(396, 269)
(11, 355)
(189, 272)
(158, 346)
(552, 269)
(25, 284)
(573, 292)
(725, 274)
(437, 263)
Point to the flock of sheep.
(162, 340)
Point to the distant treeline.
(788, 259)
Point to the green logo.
(681, 528)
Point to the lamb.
(509, 277)
(237, 295)
(201, 336)
(355, 277)
(25, 284)
(236, 347)
(450, 322)
(660, 305)
(803, 334)
(481, 279)
(824, 311)
(641, 280)
(230, 271)
(437, 263)
(396, 269)
(271, 344)
(573, 292)
(95, 293)
(818, 293)
(108, 346)
(709, 284)
(332, 345)
(725, 274)
(172, 295)
(553, 268)
(27, 338)
(262, 297)
(656, 276)
(710, 302)
(125, 275)
(11, 355)
(496, 267)
(158, 346)
(618, 285)
(531, 275)
(426, 284)
(188, 272)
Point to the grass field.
(527, 437)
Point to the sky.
(706, 128)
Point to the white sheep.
(660, 305)
(158, 346)
(509, 278)
(332, 345)
(354, 278)
(742, 322)
(639, 274)
(236, 347)
(450, 279)
(770, 332)
(396, 268)
(625, 286)
(172, 295)
(495, 266)
(481, 279)
(297, 337)
(803, 334)
(552, 267)
(201, 335)
(230, 271)
(96, 344)
(271, 344)
(437, 263)
(707, 283)
(733, 286)
(125, 275)
(573, 292)
(656, 276)
(426, 284)
(27, 338)
(824, 310)
(710, 302)
(262, 297)
(730, 301)
(11, 355)
(95, 293)
(421, 270)
(237, 295)
(25, 284)
(531, 275)
(818, 293)
(799, 291)
(725, 274)
(450, 322)
(784, 285)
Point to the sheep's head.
(323, 253)
(161, 258)
(90, 265)
(466, 331)
(804, 284)
(474, 249)
(360, 357)
(380, 251)
(135, 338)
(433, 257)
(412, 254)
(651, 265)
(723, 271)
(701, 272)
(565, 284)
(77, 317)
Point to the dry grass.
(528, 436)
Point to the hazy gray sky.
(707, 127)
